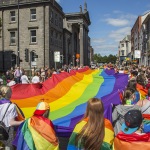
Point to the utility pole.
(18, 48)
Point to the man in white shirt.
(24, 79)
(36, 78)
(12, 82)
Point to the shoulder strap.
(6, 111)
(115, 121)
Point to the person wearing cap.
(120, 110)
(131, 134)
(37, 132)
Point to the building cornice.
(7, 4)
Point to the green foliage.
(105, 59)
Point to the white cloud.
(117, 22)
(105, 46)
(128, 16)
(98, 41)
(106, 49)
(119, 34)
(122, 23)
(117, 11)
(120, 19)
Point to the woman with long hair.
(89, 133)
(132, 86)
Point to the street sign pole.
(56, 58)
(55, 66)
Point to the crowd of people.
(19, 75)
(130, 126)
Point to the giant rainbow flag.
(68, 93)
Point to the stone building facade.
(76, 39)
(135, 36)
(32, 31)
(35, 25)
(145, 55)
(125, 50)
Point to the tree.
(105, 59)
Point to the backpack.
(3, 129)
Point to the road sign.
(137, 54)
(56, 56)
(35, 56)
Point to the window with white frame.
(12, 38)
(33, 36)
(12, 16)
(32, 14)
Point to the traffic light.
(32, 56)
(26, 55)
(13, 60)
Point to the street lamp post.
(18, 48)
(73, 60)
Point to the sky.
(111, 20)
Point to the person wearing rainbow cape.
(132, 134)
(37, 132)
(93, 132)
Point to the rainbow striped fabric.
(107, 142)
(36, 133)
(132, 141)
(68, 93)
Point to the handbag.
(3, 132)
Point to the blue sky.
(111, 20)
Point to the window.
(60, 36)
(56, 35)
(12, 38)
(52, 33)
(122, 45)
(122, 52)
(33, 36)
(52, 16)
(60, 22)
(0, 22)
(56, 21)
(33, 14)
(12, 16)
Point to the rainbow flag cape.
(36, 133)
(108, 139)
(143, 92)
(68, 93)
(132, 141)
